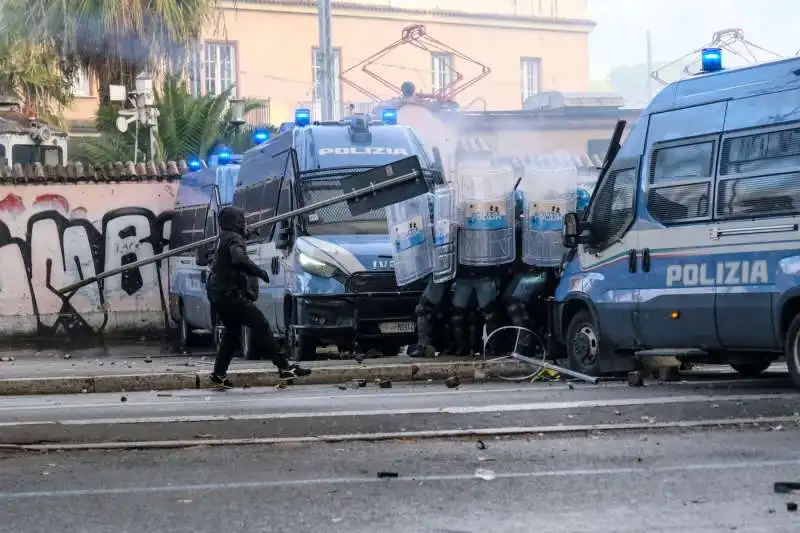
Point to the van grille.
(380, 282)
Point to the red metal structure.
(725, 40)
(416, 35)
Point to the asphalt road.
(321, 411)
(719, 481)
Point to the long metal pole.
(649, 66)
(358, 193)
(326, 70)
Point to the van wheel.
(187, 337)
(583, 344)
(247, 352)
(793, 351)
(300, 346)
(751, 369)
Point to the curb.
(163, 381)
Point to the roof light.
(712, 59)
(261, 135)
(224, 156)
(194, 164)
(390, 116)
(302, 117)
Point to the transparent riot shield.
(550, 188)
(486, 213)
(445, 232)
(411, 237)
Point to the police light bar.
(194, 164)
(302, 117)
(224, 156)
(390, 116)
(260, 135)
(711, 59)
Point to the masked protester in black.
(233, 299)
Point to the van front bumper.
(360, 316)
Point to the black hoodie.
(232, 267)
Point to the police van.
(692, 236)
(332, 277)
(200, 195)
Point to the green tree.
(117, 39)
(31, 74)
(187, 126)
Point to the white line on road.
(454, 410)
(243, 485)
(417, 435)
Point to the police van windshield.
(335, 149)
(336, 219)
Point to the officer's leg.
(459, 318)
(525, 292)
(425, 310)
(487, 294)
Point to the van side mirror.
(283, 235)
(571, 232)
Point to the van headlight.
(315, 266)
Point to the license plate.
(397, 327)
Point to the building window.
(442, 68)
(212, 70)
(316, 69)
(80, 83)
(529, 69)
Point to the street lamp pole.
(326, 73)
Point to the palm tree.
(117, 39)
(31, 74)
(187, 126)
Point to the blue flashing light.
(224, 156)
(390, 116)
(194, 164)
(260, 135)
(302, 117)
(712, 59)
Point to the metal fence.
(341, 109)
(259, 117)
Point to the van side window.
(760, 175)
(680, 184)
(284, 204)
(187, 226)
(612, 209)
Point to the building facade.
(269, 50)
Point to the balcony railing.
(340, 109)
(259, 117)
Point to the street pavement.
(408, 409)
(701, 481)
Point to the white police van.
(692, 236)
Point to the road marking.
(419, 435)
(454, 410)
(256, 485)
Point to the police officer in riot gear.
(233, 300)
(486, 246)
(430, 304)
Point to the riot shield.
(445, 232)
(486, 213)
(549, 188)
(411, 238)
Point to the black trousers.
(235, 313)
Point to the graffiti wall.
(52, 235)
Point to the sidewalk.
(144, 368)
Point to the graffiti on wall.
(54, 235)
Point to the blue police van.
(692, 237)
(332, 276)
(200, 195)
